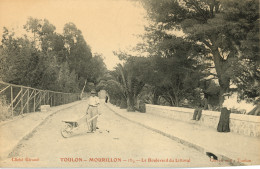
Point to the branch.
(123, 76)
(166, 97)
(207, 44)
(213, 74)
(201, 11)
(83, 89)
(213, 78)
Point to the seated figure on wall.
(223, 124)
(201, 105)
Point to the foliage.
(97, 67)
(108, 83)
(225, 29)
(175, 66)
(79, 53)
(45, 59)
(127, 81)
(4, 112)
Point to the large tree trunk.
(221, 66)
(224, 88)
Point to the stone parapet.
(239, 123)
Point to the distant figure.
(202, 105)
(106, 99)
(223, 124)
(92, 109)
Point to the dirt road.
(118, 143)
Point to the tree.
(17, 58)
(127, 80)
(97, 67)
(176, 65)
(219, 26)
(124, 80)
(49, 50)
(44, 59)
(79, 52)
(109, 82)
(67, 81)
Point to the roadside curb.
(31, 133)
(182, 141)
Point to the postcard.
(129, 83)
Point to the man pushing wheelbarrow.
(92, 110)
(71, 126)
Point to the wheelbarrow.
(70, 127)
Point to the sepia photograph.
(129, 83)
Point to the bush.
(142, 107)
(4, 112)
(112, 101)
(123, 104)
(118, 102)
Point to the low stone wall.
(239, 123)
(45, 108)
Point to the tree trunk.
(155, 98)
(177, 104)
(130, 103)
(224, 87)
(176, 99)
(172, 102)
(221, 66)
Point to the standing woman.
(223, 124)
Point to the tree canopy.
(45, 59)
(224, 30)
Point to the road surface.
(118, 143)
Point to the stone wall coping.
(182, 109)
(233, 116)
(244, 117)
(211, 113)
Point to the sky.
(107, 25)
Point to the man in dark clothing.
(106, 99)
(202, 105)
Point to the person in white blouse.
(92, 110)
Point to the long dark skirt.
(223, 124)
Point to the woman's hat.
(93, 92)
